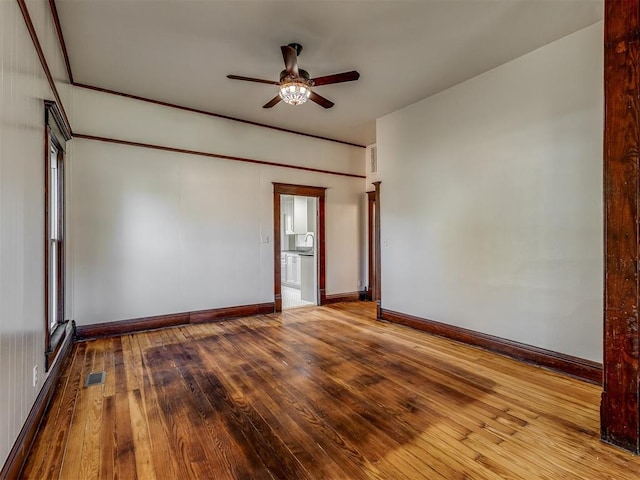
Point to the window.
(56, 227)
(55, 139)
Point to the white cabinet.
(295, 215)
(300, 215)
(296, 270)
(291, 270)
(311, 214)
(283, 267)
(307, 281)
(287, 207)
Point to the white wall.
(159, 232)
(491, 201)
(23, 86)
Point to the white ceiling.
(180, 51)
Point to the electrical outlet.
(35, 376)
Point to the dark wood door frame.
(305, 191)
(378, 258)
(620, 406)
(371, 203)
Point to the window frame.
(55, 137)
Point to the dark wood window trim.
(305, 191)
(55, 135)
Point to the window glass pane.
(55, 236)
(53, 285)
(53, 193)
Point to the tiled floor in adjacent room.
(291, 298)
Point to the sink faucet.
(310, 234)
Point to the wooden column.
(620, 419)
(376, 227)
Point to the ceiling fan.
(295, 85)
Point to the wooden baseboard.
(124, 327)
(559, 362)
(18, 454)
(218, 314)
(343, 297)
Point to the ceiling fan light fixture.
(294, 92)
(295, 83)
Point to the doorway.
(299, 269)
(299, 252)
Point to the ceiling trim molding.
(63, 45)
(210, 155)
(43, 60)
(212, 114)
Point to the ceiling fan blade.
(249, 79)
(290, 60)
(337, 78)
(272, 102)
(320, 100)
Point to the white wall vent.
(373, 161)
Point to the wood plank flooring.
(317, 393)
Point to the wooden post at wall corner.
(378, 293)
(619, 409)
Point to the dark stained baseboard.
(18, 454)
(124, 327)
(218, 314)
(574, 366)
(343, 297)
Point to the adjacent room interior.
(350, 239)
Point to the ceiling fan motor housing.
(297, 47)
(303, 75)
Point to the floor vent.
(94, 378)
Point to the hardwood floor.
(315, 393)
